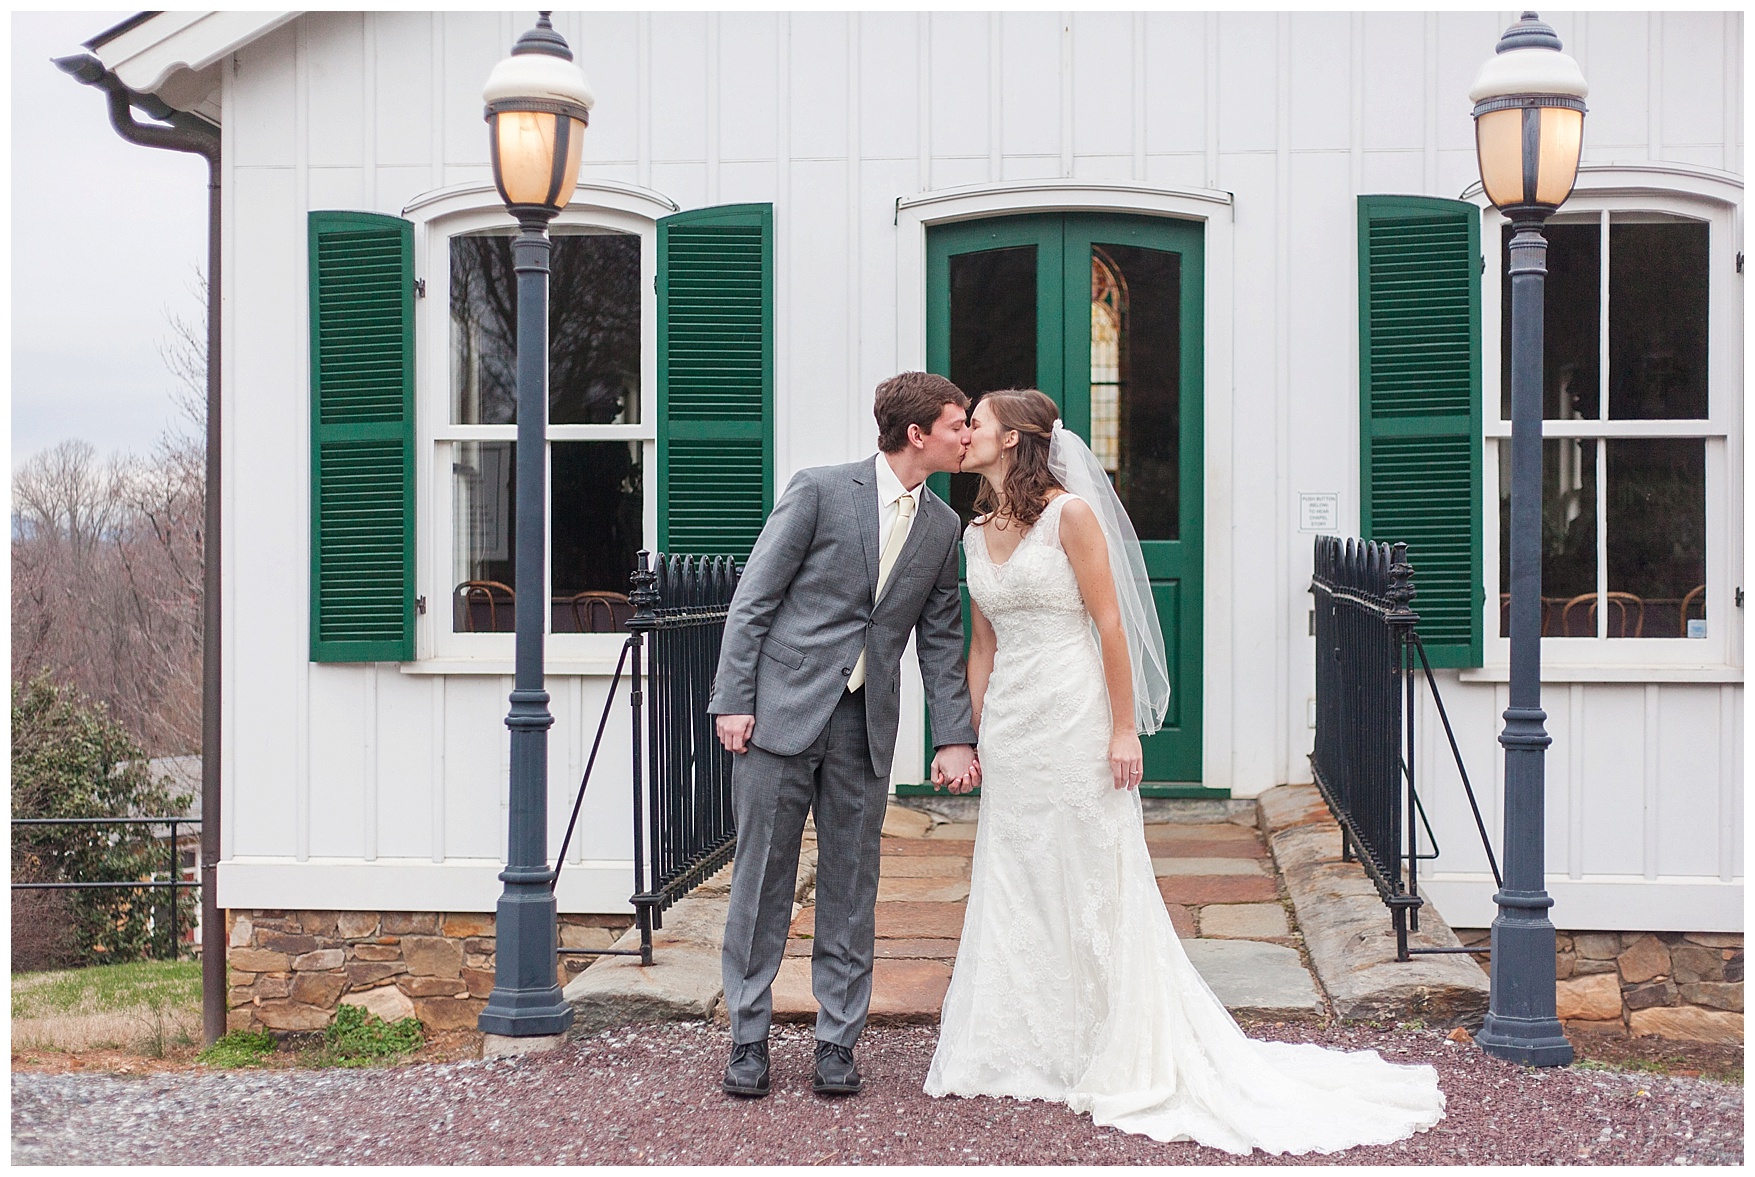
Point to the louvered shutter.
(362, 437)
(1420, 406)
(715, 378)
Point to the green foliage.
(357, 1038)
(240, 1048)
(117, 988)
(70, 759)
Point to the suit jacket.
(806, 605)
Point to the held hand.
(952, 766)
(734, 731)
(1126, 760)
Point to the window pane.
(1571, 343)
(594, 330)
(1569, 538)
(992, 334)
(597, 504)
(1657, 320)
(1656, 536)
(484, 491)
(1136, 401)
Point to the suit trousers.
(770, 796)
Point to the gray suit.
(803, 610)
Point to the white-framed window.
(1642, 430)
(601, 494)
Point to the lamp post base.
(1521, 1026)
(526, 1001)
(1535, 1042)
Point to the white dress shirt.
(889, 489)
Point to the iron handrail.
(682, 825)
(1364, 756)
(174, 882)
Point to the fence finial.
(644, 598)
(1401, 587)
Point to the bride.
(1070, 983)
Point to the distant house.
(1246, 252)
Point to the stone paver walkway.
(1217, 880)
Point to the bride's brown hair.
(1027, 479)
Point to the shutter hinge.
(1483, 263)
(1739, 596)
(420, 287)
(1739, 261)
(420, 605)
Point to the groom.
(807, 693)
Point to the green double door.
(1102, 313)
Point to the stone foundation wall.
(1683, 985)
(290, 970)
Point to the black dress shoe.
(836, 1074)
(747, 1072)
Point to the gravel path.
(649, 1095)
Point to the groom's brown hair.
(912, 398)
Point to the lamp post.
(1529, 127)
(538, 104)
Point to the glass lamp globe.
(538, 105)
(1529, 118)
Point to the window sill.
(1552, 673)
(503, 667)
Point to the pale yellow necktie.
(892, 549)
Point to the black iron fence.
(683, 830)
(1367, 647)
(174, 882)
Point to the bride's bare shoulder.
(1076, 517)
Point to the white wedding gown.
(1070, 983)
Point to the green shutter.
(1420, 406)
(362, 437)
(715, 378)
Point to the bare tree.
(107, 567)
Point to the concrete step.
(1347, 929)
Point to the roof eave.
(146, 51)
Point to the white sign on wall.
(1319, 511)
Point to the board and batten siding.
(340, 777)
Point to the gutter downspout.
(187, 132)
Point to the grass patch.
(109, 988)
(240, 1048)
(149, 1006)
(357, 1038)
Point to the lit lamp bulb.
(538, 105)
(1529, 119)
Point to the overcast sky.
(107, 242)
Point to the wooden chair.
(1697, 593)
(591, 608)
(1621, 607)
(474, 598)
(1548, 607)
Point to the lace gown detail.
(1070, 983)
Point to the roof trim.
(116, 30)
(147, 53)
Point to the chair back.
(483, 606)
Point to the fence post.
(1401, 620)
(643, 597)
(176, 877)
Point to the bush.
(357, 1038)
(70, 759)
